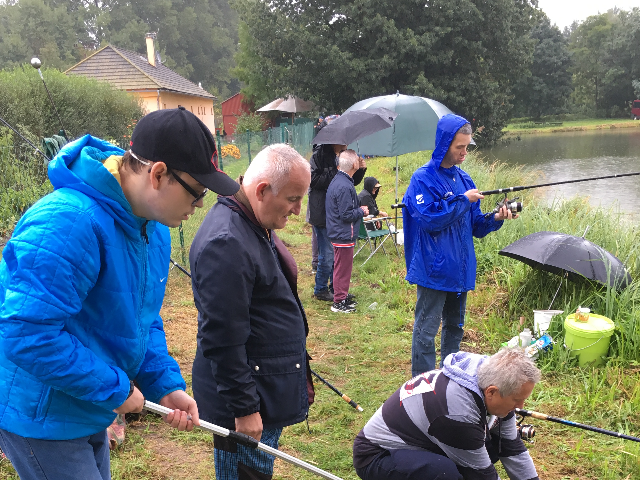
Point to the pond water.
(574, 155)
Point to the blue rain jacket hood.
(81, 285)
(440, 222)
(462, 368)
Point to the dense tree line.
(196, 38)
(465, 53)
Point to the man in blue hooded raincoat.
(441, 217)
(81, 286)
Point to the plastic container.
(525, 338)
(542, 320)
(589, 340)
(582, 314)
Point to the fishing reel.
(512, 205)
(526, 432)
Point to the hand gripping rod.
(247, 441)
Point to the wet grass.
(367, 355)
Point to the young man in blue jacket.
(344, 214)
(81, 286)
(441, 217)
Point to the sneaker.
(343, 307)
(351, 300)
(324, 295)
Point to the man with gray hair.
(441, 216)
(343, 222)
(250, 372)
(453, 423)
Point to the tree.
(465, 53)
(547, 90)
(196, 38)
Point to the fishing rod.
(542, 416)
(36, 63)
(24, 138)
(342, 395)
(247, 441)
(527, 187)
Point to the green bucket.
(589, 341)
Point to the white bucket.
(542, 320)
(400, 237)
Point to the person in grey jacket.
(453, 423)
(250, 370)
(343, 222)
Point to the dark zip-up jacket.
(343, 210)
(324, 166)
(251, 354)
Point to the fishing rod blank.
(344, 397)
(247, 441)
(36, 63)
(25, 139)
(517, 189)
(542, 416)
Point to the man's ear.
(491, 391)
(156, 172)
(260, 190)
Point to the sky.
(564, 12)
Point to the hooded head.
(446, 131)
(370, 184)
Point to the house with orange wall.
(158, 87)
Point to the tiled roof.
(128, 70)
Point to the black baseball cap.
(180, 140)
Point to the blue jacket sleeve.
(344, 203)
(224, 328)
(159, 373)
(54, 261)
(481, 225)
(433, 212)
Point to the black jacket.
(368, 199)
(251, 354)
(343, 210)
(324, 166)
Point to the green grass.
(586, 124)
(367, 355)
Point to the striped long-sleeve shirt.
(434, 412)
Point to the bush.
(85, 105)
(249, 122)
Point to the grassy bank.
(367, 355)
(570, 126)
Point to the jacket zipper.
(143, 286)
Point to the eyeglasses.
(188, 188)
(184, 184)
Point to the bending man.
(453, 423)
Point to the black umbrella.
(569, 255)
(354, 125)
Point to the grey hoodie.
(443, 411)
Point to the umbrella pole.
(556, 294)
(396, 224)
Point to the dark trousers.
(410, 465)
(342, 267)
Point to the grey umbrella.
(354, 125)
(575, 257)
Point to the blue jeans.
(324, 274)
(435, 307)
(33, 459)
(234, 461)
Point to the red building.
(231, 108)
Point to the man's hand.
(365, 210)
(363, 163)
(185, 411)
(473, 195)
(250, 425)
(504, 214)
(383, 214)
(133, 404)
